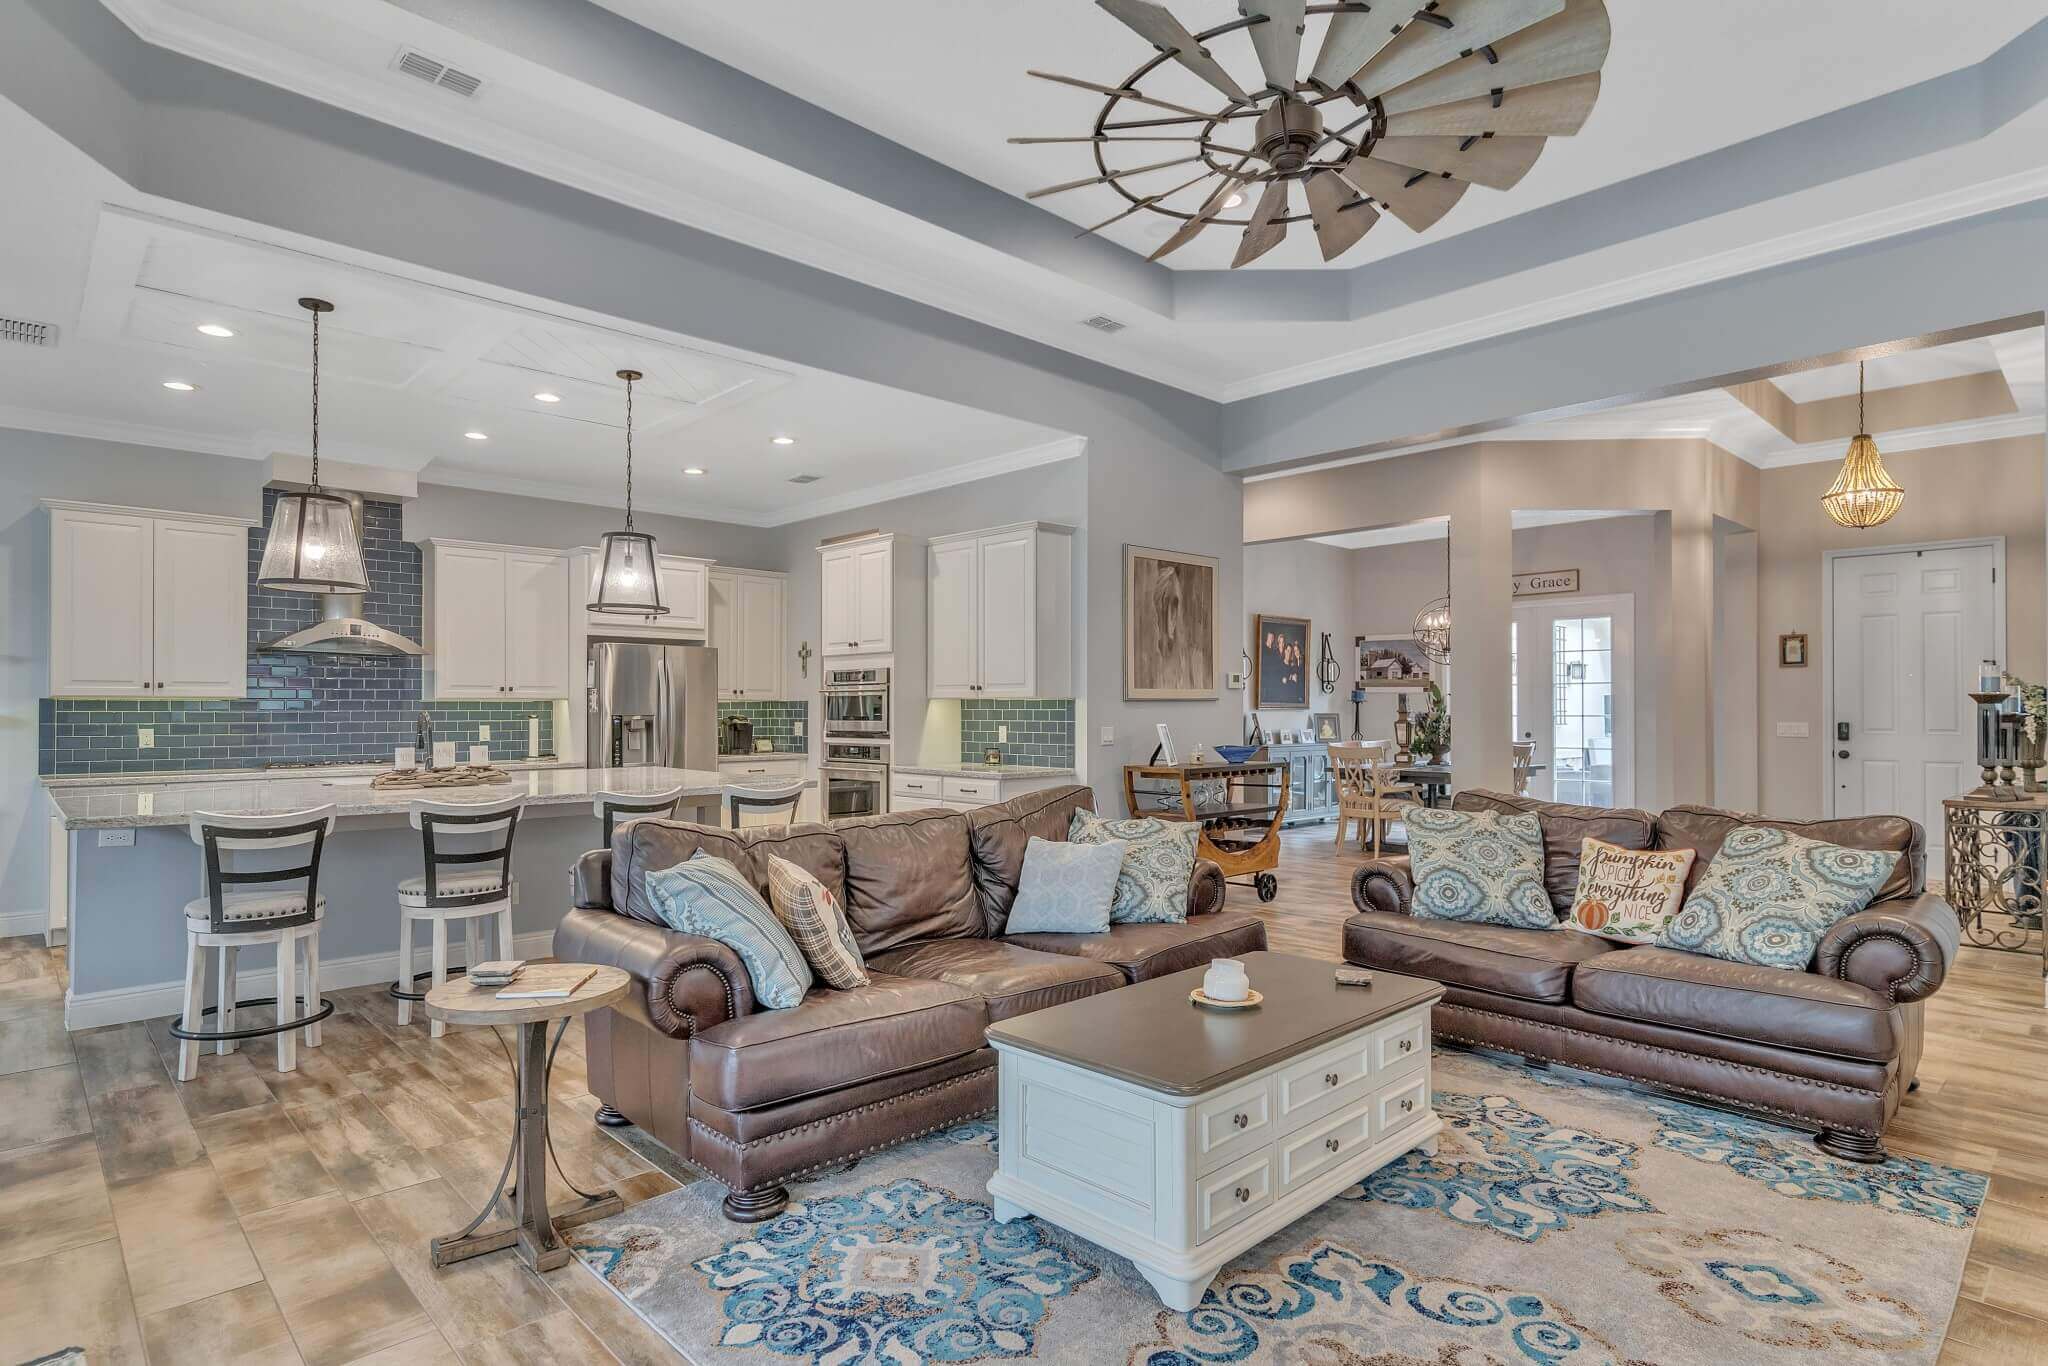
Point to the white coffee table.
(1179, 1136)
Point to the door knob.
(1841, 754)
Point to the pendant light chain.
(316, 399)
(1861, 425)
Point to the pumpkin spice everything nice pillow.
(1628, 895)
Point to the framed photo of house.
(1280, 663)
(1392, 661)
(1792, 651)
(1171, 628)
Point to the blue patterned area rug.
(1562, 1221)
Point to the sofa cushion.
(811, 914)
(1013, 980)
(1066, 888)
(1536, 965)
(648, 846)
(1770, 896)
(817, 849)
(997, 834)
(1704, 828)
(1159, 862)
(708, 897)
(1142, 952)
(834, 1039)
(1628, 894)
(1801, 1010)
(1478, 867)
(907, 879)
(1565, 829)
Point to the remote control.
(1350, 976)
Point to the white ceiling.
(1957, 359)
(947, 78)
(409, 365)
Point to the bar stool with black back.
(613, 810)
(770, 800)
(466, 849)
(247, 907)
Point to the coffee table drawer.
(1325, 1081)
(1232, 1124)
(1223, 1198)
(1306, 1155)
(1402, 1103)
(1405, 1039)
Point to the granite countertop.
(148, 800)
(981, 771)
(57, 782)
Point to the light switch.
(483, 733)
(1109, 735)
(1792, 730)
(145, 737)
(1002, 735)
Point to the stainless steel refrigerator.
(652, 704)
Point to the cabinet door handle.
(1331, 1144)
(1329, 1078)
(1241, 1120)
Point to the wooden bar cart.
(1239, 807)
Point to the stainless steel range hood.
(342, 628)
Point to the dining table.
(1435, 780)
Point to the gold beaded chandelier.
(1863, 494)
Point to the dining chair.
(1369, 789)
(1525, 760)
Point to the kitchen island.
(129, 867)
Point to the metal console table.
(1995, 855)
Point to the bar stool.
(613, 810)
(288, 918)
(777, 797)
(456, 835)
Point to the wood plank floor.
(250, 1217)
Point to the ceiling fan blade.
(1157, 26)
(1341, 217)
(1496, 163)
(1574, 43)
(1147, 202)
(1353, 39)
(1425, 46)
(1557, 109)
(1213, 205)
(1278, 40)
(1113, 175)
(1417, 198)
(1268, 225)
(1111, 137)
(1101, 89)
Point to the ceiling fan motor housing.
(1287, 132)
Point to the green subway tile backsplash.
(776, 721)
(1041, 731)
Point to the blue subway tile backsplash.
(301, 708)
(775, 721)
(1041, 732)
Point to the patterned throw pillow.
(1152, 886)
(811, 914)
(711, 898)
(1485, 867)
(1067, 887)
(1769, 895)
(1628, 894)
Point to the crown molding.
(128, 433)
(2001, 428)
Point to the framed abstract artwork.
(1170, 625)
(1280, 663)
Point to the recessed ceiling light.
(692, 470)
(1235, 201)
(477, 436)
(783, 440)
(545, 397)
(216, 330)
(180, 385)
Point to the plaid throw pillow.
(811, 914)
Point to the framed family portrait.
(1280, 664)
(1170, 625)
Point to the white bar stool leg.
(224, 1014)
(195, 1005)
(435, 1028)
(287, 1002)
(505, 934)
(405, 977)
(311, 939)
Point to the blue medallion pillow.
(1158, 865)
(1482, 867)
(1769, 895)
(1066, 888)
(711, 898)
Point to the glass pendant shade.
(1863, 494)
(312, 546)
(628, 578)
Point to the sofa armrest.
(1900, 949)
(590, 881)
(1381, 886)
(1205, 888)
(691, 983)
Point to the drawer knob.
(1407, 1045)
(1331, 1144)
(1408, 1104)
(1329, 1078)
(1241, 1120)
(1244, 1193)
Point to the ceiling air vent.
(28, 333)
(805, 478)
(419, 64)
(1102, 322)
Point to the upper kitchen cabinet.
(1001, 612)
(685, 591)
(497, 622)
(858, 595)
(747, 618)
(147, 604)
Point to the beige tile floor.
(249, 1216)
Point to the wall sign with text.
(1546, 581)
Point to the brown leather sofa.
(754, 1097)
(1833, 1047)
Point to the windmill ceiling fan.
(1403, 110)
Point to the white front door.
(1574, 697)
(1909, 631)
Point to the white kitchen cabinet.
(960, 789)
(497, 622)
(146, 604)
(767, 770)
(858, 596)
(685, 591)
(1000, 615)
(747, 621)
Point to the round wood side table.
(533, 1229)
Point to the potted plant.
(1433, 727)
(2033, 702)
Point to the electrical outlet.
(1109, 735)
(145, 737)
(117, 839)
(483, 735)
(1002, 735)
(797, 729)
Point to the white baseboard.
(14, 923)
(119, 1005)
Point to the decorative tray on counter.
(461, 775)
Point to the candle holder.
(1997, 748)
